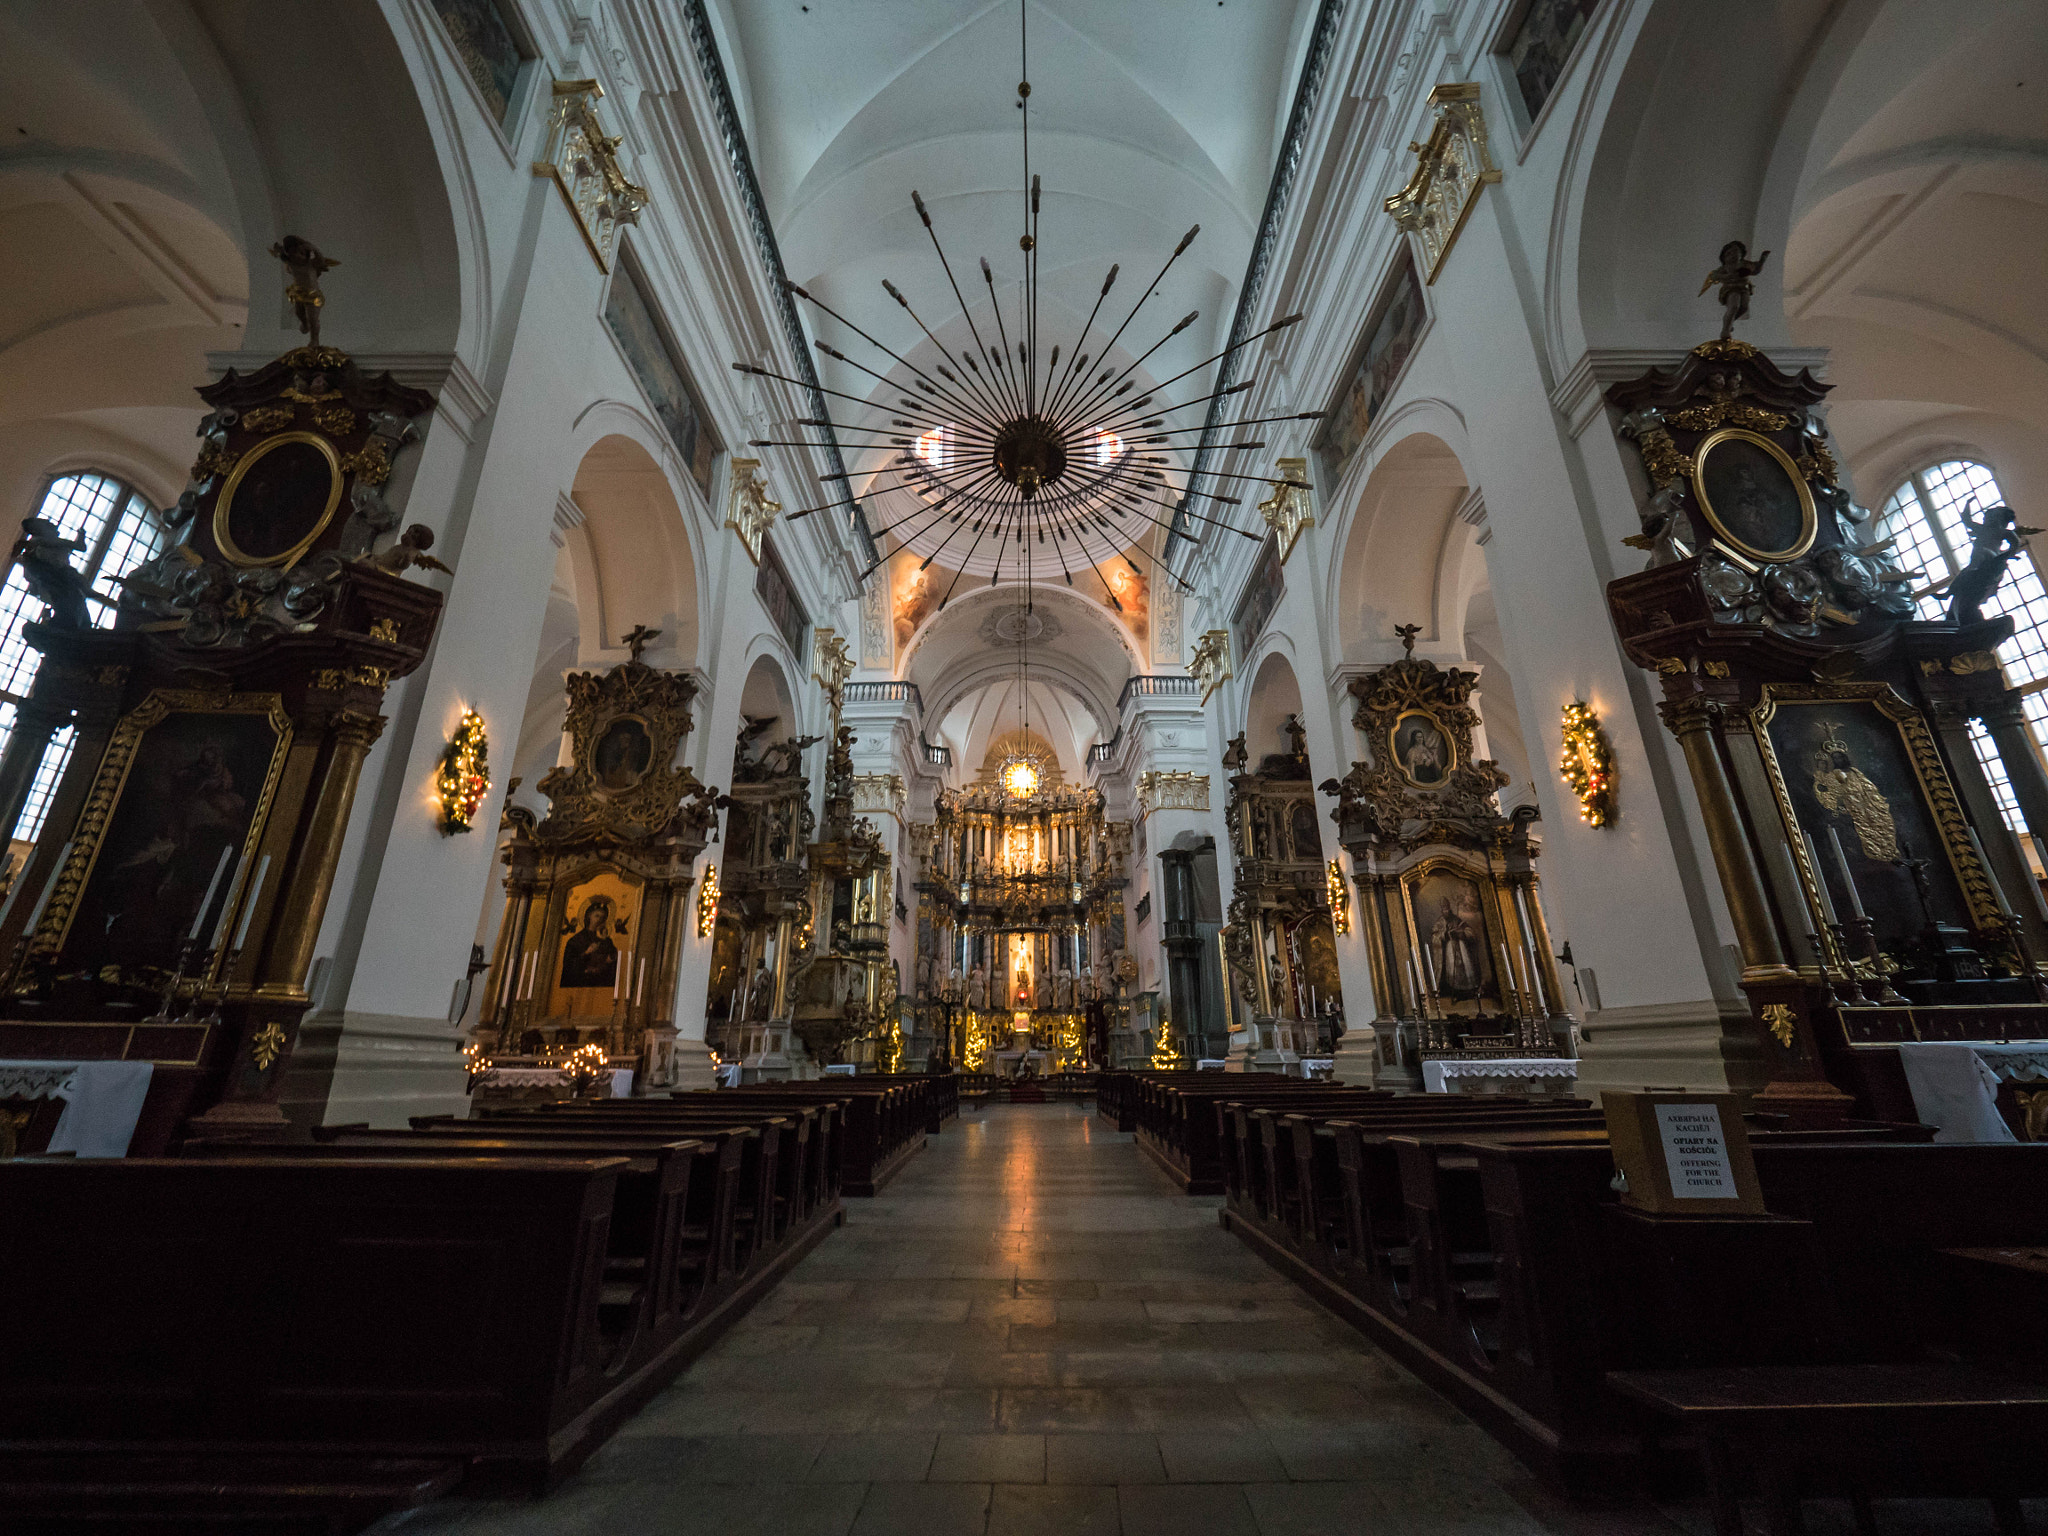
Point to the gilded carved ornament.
(748, 508)
(1210, 662)
(583, 162)
(1289, 509)
(1450, 168)
(1173, 791)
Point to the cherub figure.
(302, 259)
(1996, 539)
(411, 550)
(1736, 276)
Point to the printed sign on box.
(1683, 1153)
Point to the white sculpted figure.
(1044, 999)
(977, 989)
(1063, 989)
(1091, 984)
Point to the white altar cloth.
(1438, 1075)
(619, 1079)
(102, 1100)
(1955, 1084)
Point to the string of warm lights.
(707, 902)
(1587, 764)
(1340, 899)
(464, 777)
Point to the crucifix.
(638, 639)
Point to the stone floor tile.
(894, 1456)
(923, 1509)
(1212, 1409)
(1037, 1311)
(959, 1409)
(1026, 1510)
(1103, 1458)
(1185, 1509)
(706, 1458)
(989, 1459)
(1196, 1457)
(1035, 1410)
(1320, 1509)
(1057, 1290)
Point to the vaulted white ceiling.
(1147, 117)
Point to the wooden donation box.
(1875, 892)
(169, 910)
(597, 894)
(1683, 1153)
(1447, 886)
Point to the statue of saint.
(1737, 277)
(977, 989)
(1063, 989)
(1996, 539)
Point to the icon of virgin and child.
(591, 958)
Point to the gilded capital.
(1450, 168)
(1289, 510)
(748, 507)
(583, 162)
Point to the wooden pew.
(364, 1329)
(887, 1119)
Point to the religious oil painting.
(600, 919)
(1753, 495)
(1542, 45)
(189, 801)
(1450, 922)
(1132, 597)
(778, 595)
(1422, 749)
(623, 754)
(1263, 589)
(1390, 338)
(1312, 946)
(648, 353)
(1849, 774)
(914, 593)
(485, 43)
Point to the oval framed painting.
(1422, 749)
(277, 500)
(622, 755)
(1753, 495)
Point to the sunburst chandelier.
(1037, 464)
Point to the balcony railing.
(884, 693)
(1147, 685)
(938, 757)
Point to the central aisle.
(1030, 1331)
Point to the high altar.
(1020, 908)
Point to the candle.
(249, 901)
(1997, 890)
(1827, 900)
(619, 973)
(1849, 880)
(206, 901)
(526, 975)
(227, 906)
(1507, 972)
(640, 990)
(49, 885)
(1415, 984)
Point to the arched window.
(1926, 515)
(120, 530)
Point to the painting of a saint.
(624, 753)
(1452, 927)
(1422, 751)
(590, 958)
(190, 796)
(1753, 497)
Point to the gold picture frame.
(1729, 522)
(1399, 753)
(224, 507)
(1939, 794)
(110, 784)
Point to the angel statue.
(44, 555)
(303, 261)
(411, 550)
(1996, 539)
(1736, 275)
